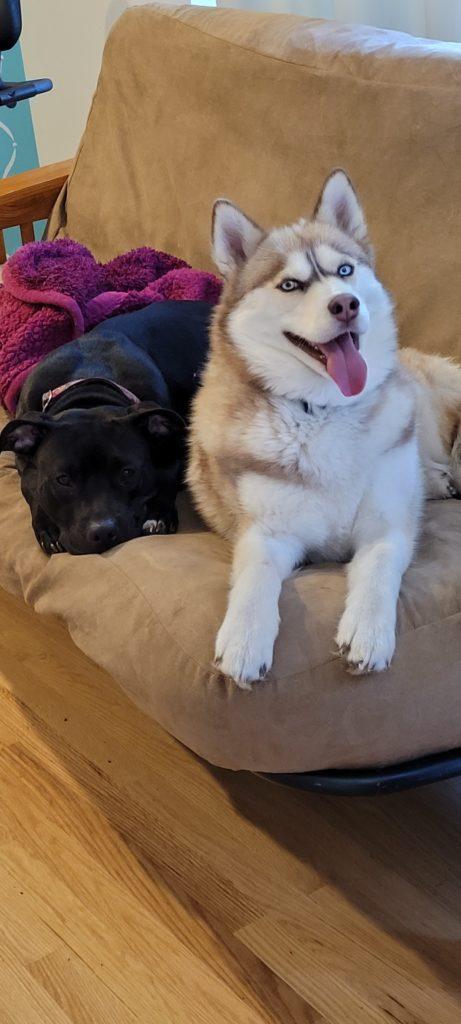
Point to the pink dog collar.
(49, 396)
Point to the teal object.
(18, 150)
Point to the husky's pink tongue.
(345, 364)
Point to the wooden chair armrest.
(30, 196)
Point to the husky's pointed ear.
(338, 205)
(235, 237)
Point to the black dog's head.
(91, 476)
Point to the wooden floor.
(138, 884)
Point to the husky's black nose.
(344, 307)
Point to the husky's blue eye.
(290, 284)
(345, 270)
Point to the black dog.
(99, 434)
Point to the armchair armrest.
(30, 196)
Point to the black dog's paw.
(152, 526)
(46, 532)
(167, 523)
(50, 545)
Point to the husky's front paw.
(366, 644)
(243, 654)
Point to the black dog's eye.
(290, 284)
(127, 473)
(345, 270)
(64, 480)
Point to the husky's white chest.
(317, 448)
(323, 463)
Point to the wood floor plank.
(104, 896)
(420, 962)
(305, 964)
(151, 972)
(343, 977)
(22, 999)
(22, 933)
(78, 992)
(190, 821)
(247, 976)
(132, 874)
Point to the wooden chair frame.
(30, 196)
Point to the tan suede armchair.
(193, 103)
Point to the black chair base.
(374, 781)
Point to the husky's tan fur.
(438, 417)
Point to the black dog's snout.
(102, 534)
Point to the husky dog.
(304, 440)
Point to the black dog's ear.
(159, 423)
(165, 428)
(164, 423)
(23, 436)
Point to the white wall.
(437, 19)
(63, 40)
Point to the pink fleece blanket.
(54, 291)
